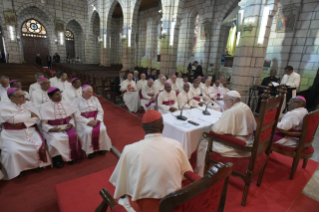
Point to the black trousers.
(49, 64)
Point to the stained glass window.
(33, 28)
(195, 35)
(69, 35)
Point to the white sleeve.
(46, 127)
(288, 122)
(100, 115)
(160, 103)
(123, 86)
(145, 95)
(295, 83)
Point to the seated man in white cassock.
(130, 97)
(40, 96)
(22, 146)
(195, 94)
(175, 86)
(72, 92)
(158, 80)
(220, 92)
(142, 82)
(237, 121)
(15, 84)
(4, 85)
(152, 167)
(35, 85)
(184, 98)
(90, 127)
(148, 95)
(292, 121)
(58, 121)
(63, 84)
(202, 82)
(161, 85)
(54, 80)
(180, 80)
(209, 95)
(167, 101)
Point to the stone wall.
(299, 48)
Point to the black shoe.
(21, 174)
(102, 152)
(58, 164)
(72, 162)
(90, 156)
(38, 170)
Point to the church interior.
(232, 85)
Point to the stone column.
(251, 51)
(61, 48)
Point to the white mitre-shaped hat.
(233, 94)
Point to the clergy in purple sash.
(22, 146)
(58, 123)
(167, 101)
(90, 125)
(148, 95)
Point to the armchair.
(249, 167)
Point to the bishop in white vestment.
(160, 86)
(152, 167)
(184, 98)
(148, 95)
(35, 85)
(40, 96)
(4, 84)
(142, 82)
(63, 84)
(58, 122)
(157, 82)
(220, 92)
(90, 127)
(195, 94)
(209, 95)
(22, 146)
(14, 84)
(175, 86)
(54, 80)
(180, 80)
(237, 121)
(292, 121)
(167, 101)
(73, 91)
(131, 96)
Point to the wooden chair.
(207, 194)
(249, 167)
(304, 149)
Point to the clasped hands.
(93, 123)
(57, 129)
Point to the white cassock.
(166, 100)
(156, 160)
(222, 92)
(201, 85)
(292, 80)
(39, 97)
(54, 81)
(34, 87)
(175, 86)
(195, 93)
(58, 142)
(160, 87)
(292, 120)
(237, 121)
(93, 110)
(20, 147)
(5, 98)
(63, 85)
(131, 98)
(182, 99)
(3, 90)
(148, 93)
(71, 93)
(157, 82)
(140, 84)
(180, 82)
(209, 96)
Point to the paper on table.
(275, 84)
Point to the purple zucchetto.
(85, 86)
(11, 90)
(42, 79)
(14, 80)
(74, 79)
(51, 89)
(302, 98)
(167, 83)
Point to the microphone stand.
(206, 112)
(181, 117)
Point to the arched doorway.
(34, 40)
(69, 41)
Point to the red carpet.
(35, 191)
(304, 203)
(277, 193)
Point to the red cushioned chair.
(249, 167)
(304, 149)
(207, 194)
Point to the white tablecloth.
(187, 134)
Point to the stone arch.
(227, 9)
(76, 20)
(35, 4)
(110, 12)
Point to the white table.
(187, 134)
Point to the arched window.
(69, 35)
(195, 34)
(33, 28)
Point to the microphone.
(206, 112)
(181, 117)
